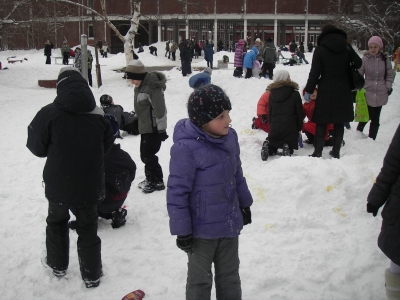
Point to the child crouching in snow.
(261, 122)
(285, 116)
(208, 199)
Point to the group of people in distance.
(208, 199)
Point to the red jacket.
(262, 105)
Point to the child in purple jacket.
(208, 199)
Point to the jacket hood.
(282, 89)
(155, 80)
(74, 95)
(334, 39)
(379, 54)
(255, 50)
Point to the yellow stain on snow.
(335, 185)
(248, 132)
(268, 226)
(339, 211)
(259, 194)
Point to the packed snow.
(311, 237)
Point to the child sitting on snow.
(261, 122)
(309, 127)
(285, 116)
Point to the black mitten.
(264, 119)
(246, 215)
(163, 136)
(372, 209)
(184, 242)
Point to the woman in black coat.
(186, 58)
(330, 71)
(386, 191)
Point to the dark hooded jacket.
(149, 103)
(186, 58)
(285, 113)
(386, 191)
(330, 71)
(73, 134)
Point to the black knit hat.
(106, 100)
(207, 103)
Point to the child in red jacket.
(261, 122)
(309, 127)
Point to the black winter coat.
(330, 71)
(285, 113)
(386, 191)
(186, 57)
(73, 134)
(120, 172)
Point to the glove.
(163, 136)
(307, 97)
(372, 209)
(246, 215)
(184, 242)
(390, 91)
(264, 119)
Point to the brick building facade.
(161, 20)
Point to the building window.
(89, 4)
(90, 31)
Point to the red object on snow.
(135, 295)
(71, 53)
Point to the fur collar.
(283, 83)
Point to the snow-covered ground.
(310, 239)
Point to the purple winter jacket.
(239, 54)
(206, 187)
(376, 87)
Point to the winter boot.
(392, 283)
(118, 218)
(142, 184)
(253, 126)
(286, 150)
(318, 146)
(337, 142)
(264, 150)
(153, 186)
(361, 125)
(373, 131)
(57, 273)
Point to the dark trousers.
(173, 56)
(224, 254)
(65, 58)
(209, 64)
(268, 68)
(48, 60)
(374, 116)
(249, 73)
(150, 144)
(89, 244)
(90, 76)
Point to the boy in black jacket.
(74, 136)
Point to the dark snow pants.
(89, 244)
(224, 254)
(150, 144)
(374, 116)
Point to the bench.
(50, 84)
(56, 58)
(13, 61)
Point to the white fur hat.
(281, 75)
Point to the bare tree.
(366, 18)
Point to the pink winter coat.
(239, 54)
(376, 86)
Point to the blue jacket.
(209, 53)
(206, 187)
(249, 58)
(203, 77)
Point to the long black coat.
(74, 140)
(386, 191)
(285, 113)
(186, 57)
(330, 71)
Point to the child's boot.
(286, 150)
(118, 218)
(392, 283)
(264, 150)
